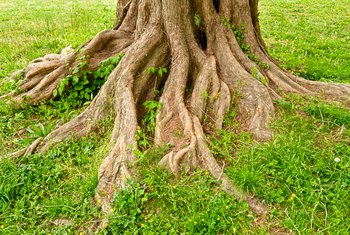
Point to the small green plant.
(153, 108)
(77, 80)
(105, 69)
(40, 130)
(148, 124)
(239, 34)
(84, 84)
(157, 70)
(197, 20)
(264, 80)
(265, 66)
(142, 140)
(255, 73)
(205, 94)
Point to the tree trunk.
(208, 47)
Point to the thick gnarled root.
(180, 120)
(43, 75)
(114, 171)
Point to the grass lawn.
(309, 37)
(303, 174)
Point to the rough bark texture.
(201, 59)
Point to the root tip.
(262, 135)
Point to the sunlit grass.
(309, 37)
(31, 29)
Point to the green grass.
(37, 190)
(297, 174)
(160, 204)
(31, 29)
(309, 37)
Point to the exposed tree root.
(114, 171)
(43, 75)
(207, 72)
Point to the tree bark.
(196, 42)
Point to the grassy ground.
(30, 29)
(309, 37)
(303, 174)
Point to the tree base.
(208, 73)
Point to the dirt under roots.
(203, 58)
